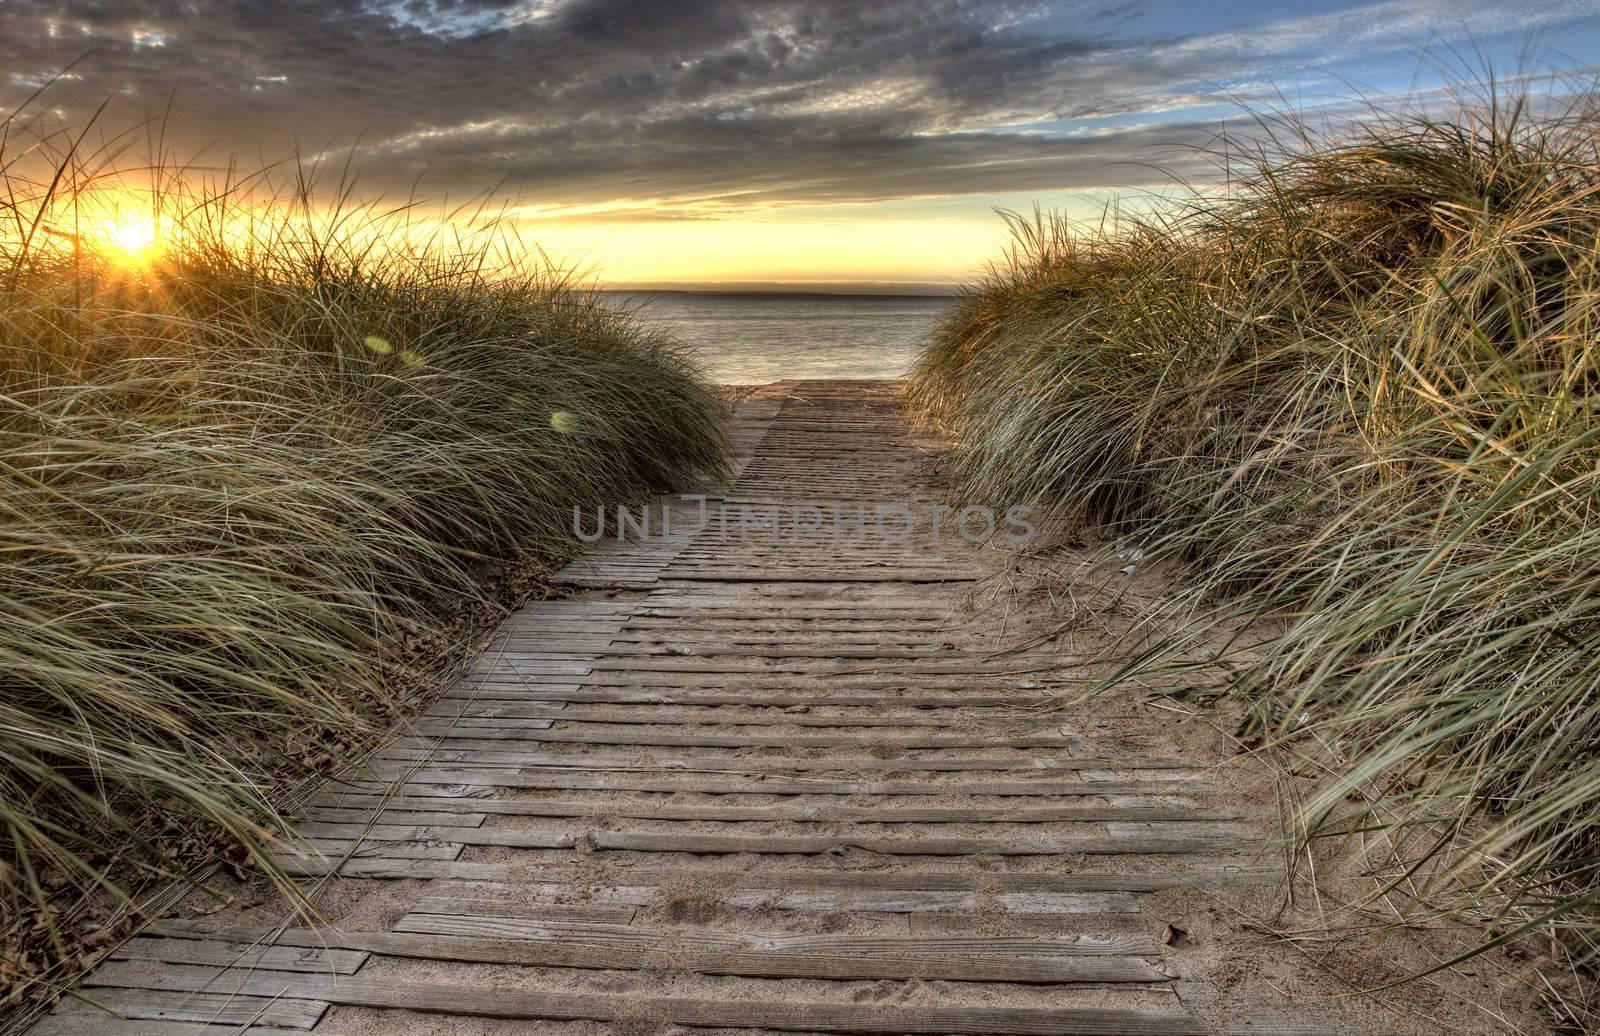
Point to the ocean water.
(747, 339)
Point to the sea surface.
(751, 338)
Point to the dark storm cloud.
(700, 107)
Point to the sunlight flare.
(130, 238)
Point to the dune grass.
(243, 475)
(1354, 393)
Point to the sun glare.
(131, 238)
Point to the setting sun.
(131, 237)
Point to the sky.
(679, 143)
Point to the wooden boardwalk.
(734, 784)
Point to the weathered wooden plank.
(529, 662)
(571, 617)
(785, 1015)
(450, 750)
(1108, 923)
(502, 753)
(859, 900)
(509, 906)
(77, 1024)
(360, 813)
(605, 582)
(567, 884)
(516, 941)
(564, 631)
(1131, 926)
(324, 835)
(571, 604)
(757, 608)
(728, 716)
(680, 638)
(820, 680)
(272, 1005)
(371, 845)
(728, 574)
(458, 870)
(613, 910)
(706, 780)
(244, 955)
(967, 668)
(497, 730)
(825, 813)
(519, 658)
(449, 718)
(657, 624)
(545, 637)
(704, 649)
(921, 901)
(516, 690)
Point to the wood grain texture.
(272, 1008)
(781, 1015)
(241, 955)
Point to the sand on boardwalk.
(1245, 953)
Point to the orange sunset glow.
(129, 237)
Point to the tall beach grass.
(242, 470)
(1355, 392)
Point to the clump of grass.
(236, 470)
(1356, 392)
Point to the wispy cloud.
(593, 109)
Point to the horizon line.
(922, 289)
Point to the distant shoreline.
(783, 293)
